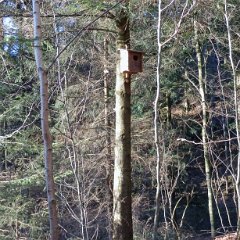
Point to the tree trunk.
(208, 170)
(122, 209)
(156, 127)
(52, 203)
(237, 109)
(1, 30)
(236, 84)
(169, 109)
(108, 138)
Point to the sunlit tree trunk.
(52, 203)
(122, 210)
(208, 170)
(236, 85)
(156, 126)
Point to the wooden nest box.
(131, 61)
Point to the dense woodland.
(163, 165)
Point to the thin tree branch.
(80, 32)
(210, 142)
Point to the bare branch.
(183, 15)
(2, 138)
(80, 32)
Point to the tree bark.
(122, 209)
(208, 170)
(47, 139)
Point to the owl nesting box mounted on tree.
(131, 61)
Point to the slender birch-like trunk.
(208, 170)
(236, 85)
(47, 139)
(159, 199)
(156, 126)
(122, 200)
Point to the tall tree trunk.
(108, 137)
(237, 107)
(208, 170)
(156, 126)
(122, 209)
(47, 139)
(236, 85)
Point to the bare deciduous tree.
(157, 130)
(207, 162)
(47, 138)
(236, 109)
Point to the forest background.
(185, 145)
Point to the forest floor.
(230, 236)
